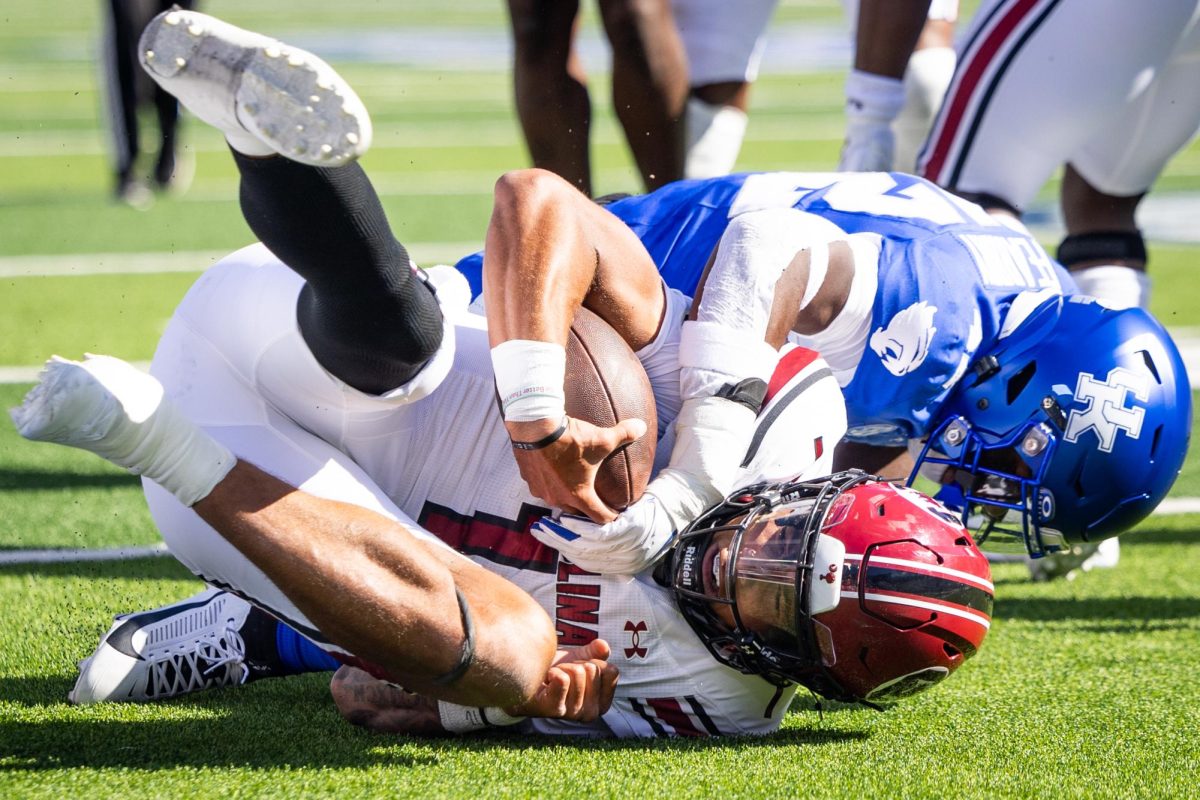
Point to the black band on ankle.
(467, 656)
(1102, 246)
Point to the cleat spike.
(272, 52)
(352, 138)
(173, 18)
(180, 62)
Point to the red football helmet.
(858, 589)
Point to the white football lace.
(211, 663)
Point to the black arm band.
(467, 656)
(545, 441)
(749, 393)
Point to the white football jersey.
(670, 684)
(435, 456)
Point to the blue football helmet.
(1077, 420)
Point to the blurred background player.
(1109, 89)
(903, 60)
(724, 43)
(902, 65)
(127, 90)
(649, 86)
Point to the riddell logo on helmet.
(1106, 412)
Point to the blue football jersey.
(947, 274)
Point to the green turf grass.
(1083, 689)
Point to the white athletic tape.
(529, 379)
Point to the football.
(605, 383)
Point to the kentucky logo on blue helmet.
(1076, 421)
(1106, 413)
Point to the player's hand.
(869, 147)
(381, 706)
(563, 474)
(625, 546)
(578, 686)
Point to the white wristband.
(464, 719)
(529, 379)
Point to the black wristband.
(545, 441)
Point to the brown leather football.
(605, 383)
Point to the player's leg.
(885, 33)
(1003, 128)
(724, 44)
(365, 312)
(119, 46)
(1109, 175)
(551, 88)
(649, 84)
(171, 171)
(926, 79)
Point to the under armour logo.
(636, 632)
(1106, 412)
(831, 576)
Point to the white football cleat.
(171, 651)
(265, 96)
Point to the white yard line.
(424, 253)
(53, 556)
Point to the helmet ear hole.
(1154, 442)
(951, 651)
(1018, 382)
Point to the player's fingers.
(596, 648)
(591, 506)
(609, 677)
(630, 430)
(583, 690)
(553, 695)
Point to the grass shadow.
(241, 728)
(27, 479)
(156, 568)
(1109, 613)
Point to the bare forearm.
(377, 591)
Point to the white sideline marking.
(1178, 505)
(81, 554)
(30, 374)
(79, 264)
